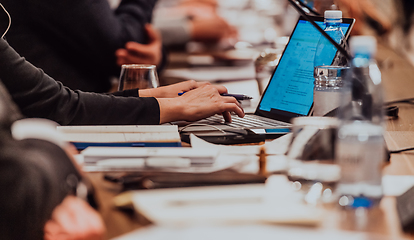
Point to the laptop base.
(217, 137)
(229, 138)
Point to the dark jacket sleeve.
(38, 95)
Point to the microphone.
(304, 15)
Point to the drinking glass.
(140, 76)
(265, 65)
(310, 155)
(328, 87)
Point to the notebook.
(289, 93)
(121, 136)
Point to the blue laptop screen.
(291, 86)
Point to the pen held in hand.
(239, 97)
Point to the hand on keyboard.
(199, 103)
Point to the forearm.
(69, 107)
(38, 95)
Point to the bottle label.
(360, 159)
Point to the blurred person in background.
(36, 201)
(181, 21)
(371, 19)
(39, 96)
(391, 21)
(401, 38)
(370, 16)
(76, 41)
(138, 53)
(38, 182)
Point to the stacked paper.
(122, 136)
(150, 156)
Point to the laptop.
(289, 93)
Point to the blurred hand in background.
(150, 53)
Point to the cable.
(202, 124)
(406, 100)
(8, 15)
(401, 150)
(409, 101)
(392, 111)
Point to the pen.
(236, 96)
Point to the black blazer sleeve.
(38, 95)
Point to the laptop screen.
(290, 90)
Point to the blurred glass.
(264, 65)
(310, 156)
(140, 76)
(328, 86)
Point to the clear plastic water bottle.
(360, 150)
(325, 50)
(327, 74)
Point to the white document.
(215, 209)
(169, 159)
(279, 146)
(118, 128)
(114, 134)
(198, 143)
(246, 203)
(150, 162)
(276, 160)
(396, 185)
(197, 156)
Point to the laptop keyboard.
(249, 121)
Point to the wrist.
(149, 92)
(170, 110)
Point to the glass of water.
(310, 155)
(328, 86)
(140, 76)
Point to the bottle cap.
(363, 44)
(333, 16)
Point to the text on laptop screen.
(291, 87)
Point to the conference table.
(398, 82)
